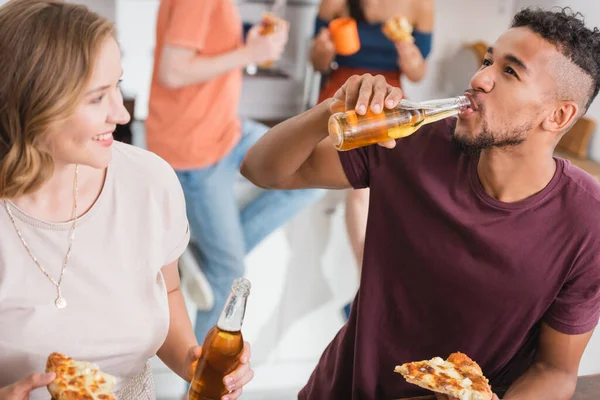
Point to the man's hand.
(20, 390)
(444, 397)
(361, 93)
(268, 47)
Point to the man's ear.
(562, 118)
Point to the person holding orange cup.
(350, 39)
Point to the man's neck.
(513, 174)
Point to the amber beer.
(222, 347)
(348, 130)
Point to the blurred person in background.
(378, 56)
(193, 124)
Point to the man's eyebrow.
(517, 61)
(513, 59)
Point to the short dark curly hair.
(566, 30)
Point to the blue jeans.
(224, 233)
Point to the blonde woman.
(90, 229)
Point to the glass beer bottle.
(222, 347)
(348, 130)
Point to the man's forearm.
(180, 337)
(543, 382)
(201, 68)
(286, 147)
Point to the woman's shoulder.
(427, 6)
(140, 166)
(423, 15)
(331, 9)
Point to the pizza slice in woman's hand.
(78, 380)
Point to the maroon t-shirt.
(449, 268)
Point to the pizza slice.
(78, 380)
(269, 23)
(458, 376)
(398, 29)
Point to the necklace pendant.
(60, 302)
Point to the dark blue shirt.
(376, 52)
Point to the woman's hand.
(20, 390)
(323, 51)
(410, 60)
(235, 381)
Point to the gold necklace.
(60, 301)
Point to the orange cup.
(344, 34)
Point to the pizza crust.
(459, 377)
(78, 380)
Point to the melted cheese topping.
(78, 380)
(459, 375)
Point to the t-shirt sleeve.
(576, 309)
(189, 23)
(177, 232)
(356, 166)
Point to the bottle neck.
(232, 316)
(445, 108)
(462, 102)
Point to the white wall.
(106, 8)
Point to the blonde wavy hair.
(47, 54)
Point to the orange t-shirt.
(197, 125)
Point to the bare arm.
(553, 376)
(181, 66)
(412, 64)
(425, 15)
(180, 339)
(296, 154)
(330, 9)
